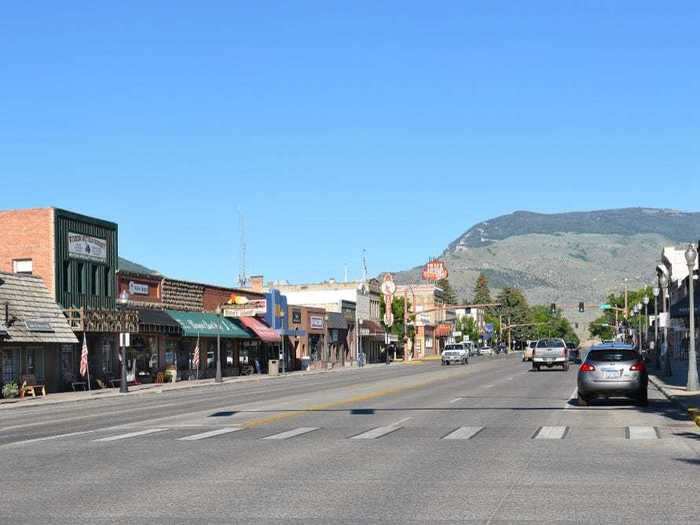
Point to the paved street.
(491, 442)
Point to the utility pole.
(626, 295)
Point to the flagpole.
(198, 352)
(88, 369)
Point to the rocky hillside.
(567, 257)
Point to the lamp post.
(123, 300)
(656, 291)
(640, 338)
(691, 256)
(663, 284)
(646, 318)
(218, 378)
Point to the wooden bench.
(30, 387)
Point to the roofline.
(86, 218)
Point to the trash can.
(273, 367)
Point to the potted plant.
(10, 390)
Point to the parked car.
(470, 348)
(549, 353)
(613, 369)
(455, 354)
(529, 348)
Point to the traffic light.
(581, 307)
(553, 308)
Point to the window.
(598, 356)
(106, 282)
(22, 266)
(81, 278)
(95, 280)
(550, 343)
(67, 281)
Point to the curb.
(693, 413)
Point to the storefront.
(153, 348)
(203, 329)
(337, 338)
(306, 332)
(268, 342)
(373, 337)
(33, 332)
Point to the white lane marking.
(573, 395)
(292, 433)
(642, 433)
(378, 432)
(464, 433)
(488, 386)
(455, 400)
(49, 438)
(551, 433)
(131, 434)
(211, 433)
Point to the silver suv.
(613, 369)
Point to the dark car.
(613, 369)
(574, 352)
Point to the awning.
(157, 321)
(373, 327)
(443, 330)
(264, 332)
(203, 324)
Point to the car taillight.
(586, 367)
(639, 366)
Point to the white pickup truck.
(549, 353)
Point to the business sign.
(138, 288)
(434, 270)
(488, 327)
(665, 320)
(362, 310)
(249, 309)
(316, 322)
(86, 247)
(296, 316)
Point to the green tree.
(482, 294)
(515, 311)
(449, 295)
(397, 309)
(604, 327)
(467, 325)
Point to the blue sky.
(338, 126)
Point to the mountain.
(565, 258)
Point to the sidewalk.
(674, 388)
(159, 388)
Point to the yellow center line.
(335, 404)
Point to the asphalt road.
(491, 442)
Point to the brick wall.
(28, 234)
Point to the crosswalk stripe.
(378, 432)
(49, 438)
(464, 433)
(292, 433)
(551, 433)
(642, 433)
(131, 434)
(211, 433)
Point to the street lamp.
(218, 378)
(123, 300)
(646, 318)
(639, 337)
(691, 256)
(656, 292)
(663, 284)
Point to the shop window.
(9, 365)
(67, 281)
(94, 280)
(24, 266)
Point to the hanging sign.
(434, 270)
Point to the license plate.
(611, 374)
(549, 359)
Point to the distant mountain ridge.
(672, 224)
(565, 258)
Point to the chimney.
(256, 283)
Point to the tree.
(397, 309)
(449, 295)
(515, 311)
(482, 294)
(604, 327)
(467, 325)
(547, 324)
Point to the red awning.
(443, 330)
(264, 332)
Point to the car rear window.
(550, 343)
(612, 355)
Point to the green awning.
(207, 325)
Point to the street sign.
(456, 333)
(125, 339)
(489, 328)
(605, 307)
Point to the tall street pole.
(657, 350)
(123, 388)
(663, 281)
(218, 378)
(690, 257)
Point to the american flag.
(84, 357)
(195, 359)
